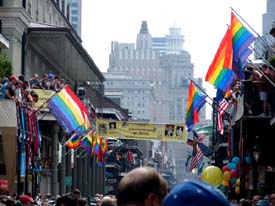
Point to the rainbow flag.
(220, 72)
(241, 39)
(74, 141)
(69, 111)
(195, 102)
(104, 146)
(96, 145)
(86, 143)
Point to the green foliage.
(6, 69)
(272, 61)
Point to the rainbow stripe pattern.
(241, 39)
(74, 141)
(86, 144)
(195, 102)
(69, 111)
(220, 72)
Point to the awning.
(63, 52)
(4, 43)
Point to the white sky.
(203, 23)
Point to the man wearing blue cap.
(195, 193)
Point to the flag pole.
(245, 21)
(257, 34)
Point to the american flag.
(197, 153)
(196, 158)
(223, 105)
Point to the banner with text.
(141, 131)
(43, 97)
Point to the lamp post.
(256, 156)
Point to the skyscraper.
(75, 15)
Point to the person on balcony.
(263, 87)
(35, 82)
(8, 89)
(248, 89)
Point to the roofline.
(74, 41)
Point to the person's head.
(68, 200)
(21, 77)
(13, 79)
(108, 201)
(141, 186)
(255, 199)
(267, 197)
(45, 202)
(35, 76)
(244, 202)
(76, 193)
(81, 202)
(34, 96)
(272, 32)
(26, 200)
(194, 193)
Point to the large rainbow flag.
(69, 111)
(195, 102)
(220, 72)
(241, 39)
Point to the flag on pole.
(74, 141)
(87, 141)
(195, 102)
(222, 107)
(241, 40)
(220, 73)
(69, 111)
(197, 156)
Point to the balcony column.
(54, 180)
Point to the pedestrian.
(108, 201)
(142, 186)
(195, 193)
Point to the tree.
(272, 61)
(6, 69)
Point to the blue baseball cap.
(195, 193)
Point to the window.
(74, 12)
(74, 18)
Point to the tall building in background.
(264, 45)
(151, 79)
(76, 15)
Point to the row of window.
(132, 54)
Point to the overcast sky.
(203, 23)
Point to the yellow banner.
(43, 96)
(140, 131)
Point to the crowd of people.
(22, 91)
(144, 186)
(258, 89)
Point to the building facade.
(42, 41)
(76, 15)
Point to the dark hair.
(81, 201)
(135, 188)
(76, 192)
(69, 200)
(272, 31)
